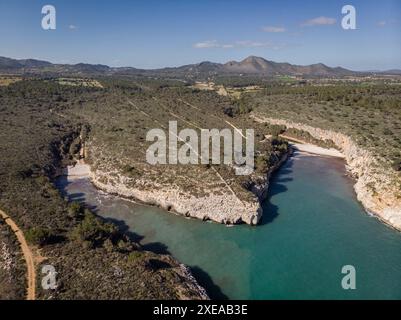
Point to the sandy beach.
(310, 148)
(80, 170)
(301, 145)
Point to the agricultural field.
(91, 83)
(6, 80)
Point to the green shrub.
(93, 230)
(397, 165)
(75, 146)
(108, 245)
(135, 256)
(126, 245)
(75, 210)
(38, 236)
(276, 130)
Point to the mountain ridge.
(251, 65)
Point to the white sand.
(78, 171)
(311, 148)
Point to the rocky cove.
(375, 187)
(312, 226)
(325, 221)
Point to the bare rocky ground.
(12, 266)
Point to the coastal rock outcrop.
(220, 204)
(223, 208)
(375, 186)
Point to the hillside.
(250, 66)
(93, 258)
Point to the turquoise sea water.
(312, 227)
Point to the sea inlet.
(312, 227)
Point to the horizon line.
(195, 63)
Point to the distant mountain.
(12, 64)
(250, 66)
(37, 66)
(392, 72)
(257, 65)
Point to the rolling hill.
(252, 65)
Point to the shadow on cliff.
(155, 247)
(62, 184)
(202, 277)
(277, 185)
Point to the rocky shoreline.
(203, 208)
(374, 187)
(189, 288)
(224, 208)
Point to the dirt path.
(31, 274)
(292, 139)
(219, 118)
(197, 154)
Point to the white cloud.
(250, 44)
(237, 44)
(273, 29)
(72, 27)
(319, 21)
(207, 44)
(389, 22)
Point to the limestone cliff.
(375, 186)
(220, 205)
(222, 208)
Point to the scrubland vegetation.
(36, 140)
(41, 125)
(124, 112)
(369, 113)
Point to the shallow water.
(313, 227)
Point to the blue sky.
(152, 34)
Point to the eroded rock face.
(223, 208)
(219, 205)
(191, 289)
(376, 187)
